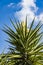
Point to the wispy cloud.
(11, 4)
(39, 18)
(27, 10)
(27, 6)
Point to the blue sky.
(18, 9)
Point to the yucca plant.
(27, 46)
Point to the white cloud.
(29, 4)
(10, 5)
(41, 17)
(26, 10)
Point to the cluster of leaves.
(27, 47)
